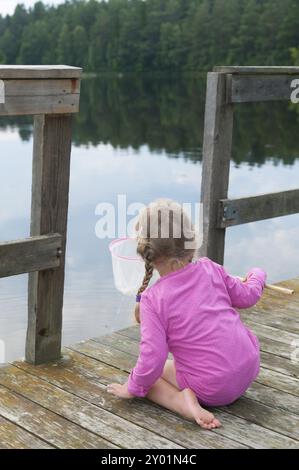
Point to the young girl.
(190, 312)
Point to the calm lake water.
(143, 138)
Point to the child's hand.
(119, 390)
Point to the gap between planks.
(239, 427)
(287, 416)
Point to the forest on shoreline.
(152, 35)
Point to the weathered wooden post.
(226, 86)
(51, 94)
(216, 160)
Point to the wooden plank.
(279, 364)
(270, 332)
(274, 317)
(132, 332)
(271, 418)
(84, 375)
(119, 342)
(255, 435)
(126, 362)
(39, 71)
(273, 397)
(286, 305)
(244, 210)
(87, 378)
(107, 425)
(216, 163)
(47, 104)
(237, 429)
(50, 427)
(256, 70)
(14, 437)
(105, 354)
(31, 254)
(294, 282)
(249, 89)
(39, 87)
(282, 382)
(49, 207)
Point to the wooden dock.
(65, 405)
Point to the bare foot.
(193, 410)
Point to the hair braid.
(149, 268)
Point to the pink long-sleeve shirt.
(191, 313)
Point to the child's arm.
(153, 351)
(246, 293)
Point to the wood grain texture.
(31, 254)
(40, 104)
(14, 437)
(39, 71)
(249, 89)
(267, 416)
(40, 87)
(65, 404)
(52, 428)
(279, 364)
(87, 378)
(266, 377)
(108, 426)
(93, 375)
(232, 212)
(217, 143)
(49, 208)
(256, 70)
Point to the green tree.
(64, 49)
(79, 46)
(295, 55)
(35, 44)
(152, 35)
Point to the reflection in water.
(143, 138)
(167, 114)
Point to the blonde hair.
(165, 232)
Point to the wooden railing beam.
(31, 254)
(233, 212)
(255, 88)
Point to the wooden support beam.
(31, 254)
(27, 105)
(50, 189)
(256, 70)
(27, 97)
(39, 87)
(216, 163)
(250, 209)
(39, 90)
(252, 88)
(39, 71)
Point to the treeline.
(152, 35)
